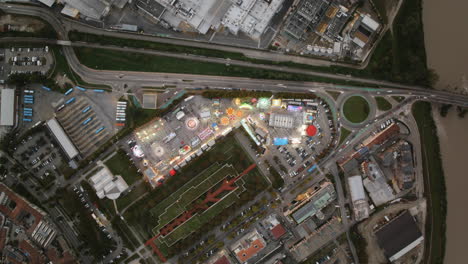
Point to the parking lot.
(298, 157)
(27, 60)
(41, 157)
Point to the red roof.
(172, 172)
(311, 130)
(222, 260)
(278, 231)
(246, 253)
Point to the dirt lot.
(21, 23)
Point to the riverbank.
(434, 184)
(453, 145)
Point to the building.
(150, 100)
(7, 107)
(365, 30)
(107, 185)
(399, 236)
(281, 120)
(48, 3)
(26, 215)
(248, 246)
(276, 228)
(358, 198)
(200, 15)
(62, 138)
(376, 183)
(93, 9)
(305, 17)
(250, 16)
(310, 203)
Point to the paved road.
(140, 78)
(70, 24)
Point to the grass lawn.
(356, 109)
(115, 60)
(434, 181)
(383, 104)
(121, 165)
(344, 134)
(138, 191)
(334, 94)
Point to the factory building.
(358, 198)
(251, 17)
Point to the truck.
(27, 120)
(80, 88)
(98, 90)
(46, 88)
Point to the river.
(446, 42)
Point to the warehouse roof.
(7, 108)
(399, 236)
(62, 138)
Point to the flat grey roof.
(7, 109)
(62, 138)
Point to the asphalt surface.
(118, 79)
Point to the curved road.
(119, 78)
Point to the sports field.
(184, 198)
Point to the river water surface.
(446, 41)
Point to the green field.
(344, 134)
(120, 164)
(182, 200)
(356, 109)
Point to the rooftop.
(106, 185)
(399, 236)
(7, 107)
(248, 246)
(62, 138)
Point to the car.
(86, 205)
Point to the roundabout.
(356, 109)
